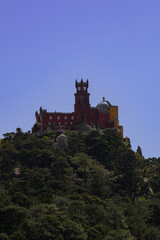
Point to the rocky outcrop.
(62, 141)
(83, 127)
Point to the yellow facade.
(114, 117)
(120, 130)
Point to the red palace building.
(84, 117)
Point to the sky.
(45, 45)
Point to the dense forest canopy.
(77, 185)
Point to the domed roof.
(103, 106)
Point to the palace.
(84, 117)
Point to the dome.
(103, 106)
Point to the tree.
(3, 236)
(139, 150)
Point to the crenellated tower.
(82, 106)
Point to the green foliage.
(17, 235)
(11, 218)
(97, 232)
(139, 151)
(36, 127)
(98, 189)
(3, 236)
(119, 234)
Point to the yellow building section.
(120, 130)
(114, 117)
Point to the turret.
(82, 105)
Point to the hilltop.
(77, 185)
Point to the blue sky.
(46, 44)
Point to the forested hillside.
(91, 187)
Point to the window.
(65, 117)
(84, 88)
(50, 117)
(65, 123)
(59, 123)
(58, 117)
(79, 88)
(72, 117)
(70, 123)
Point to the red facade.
(96, 117)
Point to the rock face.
(83, 127)
(62, 141)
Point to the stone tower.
(82, 106)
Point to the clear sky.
(46, 44)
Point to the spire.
(76, 83)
